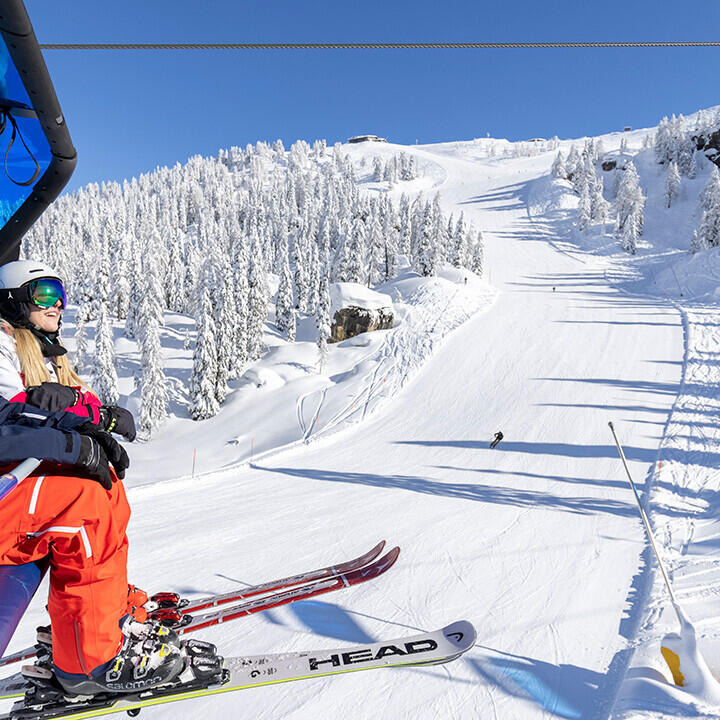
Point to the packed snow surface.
(538, 542)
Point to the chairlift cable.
(372, 46)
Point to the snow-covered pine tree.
(460, 242)
(630, 203)
(391, 173)
(152, 382)
(571, 163)
(81, 340)
(105, 381)
(257, 303)
(443, 240)
(242, 293)
(301, 253)
(314, 282)
(558, 167)
(404, 167)
(599, 147)
(686, 158)
(711, 190)
(131, 321)
(584, 206)
(426, 251)
(378, 169)
(599, 206)
(203, 403)
(405, 225)
(376, 251)
(696, 242)
(708, 232)
(672, 184)
(225, 319)
(663, 142)
(477, 260)
(285, 302)
(390, 240)
(322, 313)
(121, 294)
(692, 166)
(631, 230)
(355, 265)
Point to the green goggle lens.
(45, 292)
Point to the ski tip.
(390, 557)
(374, 569)
(461, 634)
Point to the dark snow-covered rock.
(352, 321)
(709, 143)
(356, 309)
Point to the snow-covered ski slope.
(537, 542)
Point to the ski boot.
(151, 655)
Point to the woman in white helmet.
(34, 367)
(99, 633)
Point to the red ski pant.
(81, 528)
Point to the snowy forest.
(676, 144)
(201, 239)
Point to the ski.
(14, 686)
(242, 673)
(178, 607)
(326, 572)
(319, 587)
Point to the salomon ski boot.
(151, 655)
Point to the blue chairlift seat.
(18, 584)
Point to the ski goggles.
(45, 292)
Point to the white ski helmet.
(16, 274)
(16, 288)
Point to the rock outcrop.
(353, 320)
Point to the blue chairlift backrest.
(37, 156)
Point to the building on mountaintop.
(366, 138)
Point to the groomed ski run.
(537, 541)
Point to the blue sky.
(129, 111)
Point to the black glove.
(118, 420)
(52, 396)
(95, 455)
(93, 461)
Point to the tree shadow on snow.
(466, 491)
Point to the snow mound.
(682, 653)
(344, 295)
(264, 377)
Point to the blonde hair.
(32, 363)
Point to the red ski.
(330, 571)
(319, 587)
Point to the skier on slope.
(97, 643)
(496, 439)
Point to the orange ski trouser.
(81, 527)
